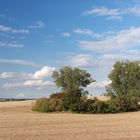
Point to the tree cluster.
(124, 91)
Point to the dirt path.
(18, 122)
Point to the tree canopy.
(125, 79)
(71, 79)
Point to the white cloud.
(12, 85)
(66, 34)
(87, 32)
(19, 62)
(38, 84)
(46, 71)
(39, 24)
(5, 75)
(15, 75)
(103, 11)
(116, 13)
(8, 29)
(135, 10)
(97, 88)
(10, 45)
(118, 56)
(96, 85)
(123, 39)
(20, 95)
(37, 80)
(82, 60)
(33, 84)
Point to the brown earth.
(18, 122)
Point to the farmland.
(18, 122)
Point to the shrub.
(122, 104)
(41, 105)
(48, 105)
(93, 106)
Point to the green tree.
(125, 79)
(125, 86)
(72, 82)
(72, 79)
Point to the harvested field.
(16, 104)
(18, 122)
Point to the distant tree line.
(124, 91)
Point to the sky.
(38, 37)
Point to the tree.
(125, 79)
(125, 86)
(72, 82)
(72, 79)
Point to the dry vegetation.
(101, 98)
(16, 104)
(18, 122)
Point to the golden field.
(18, 122)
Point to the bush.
(66, 102)
(41, 105)
(93, 106)
(48, 105)
(122, 104)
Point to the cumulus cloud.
(38, 80)
(121, 40)
(46, 71)
(8, 29)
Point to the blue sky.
(38, 37)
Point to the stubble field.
(18, 122)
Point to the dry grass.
(16, 104)
(101, 98)
(18, 122)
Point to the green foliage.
(48, 105)
(125, 78)
(122, 104)
(70, 100)
(83, 106)
(72, 82)
(124, 89)
(93, 106)
(71, 79)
